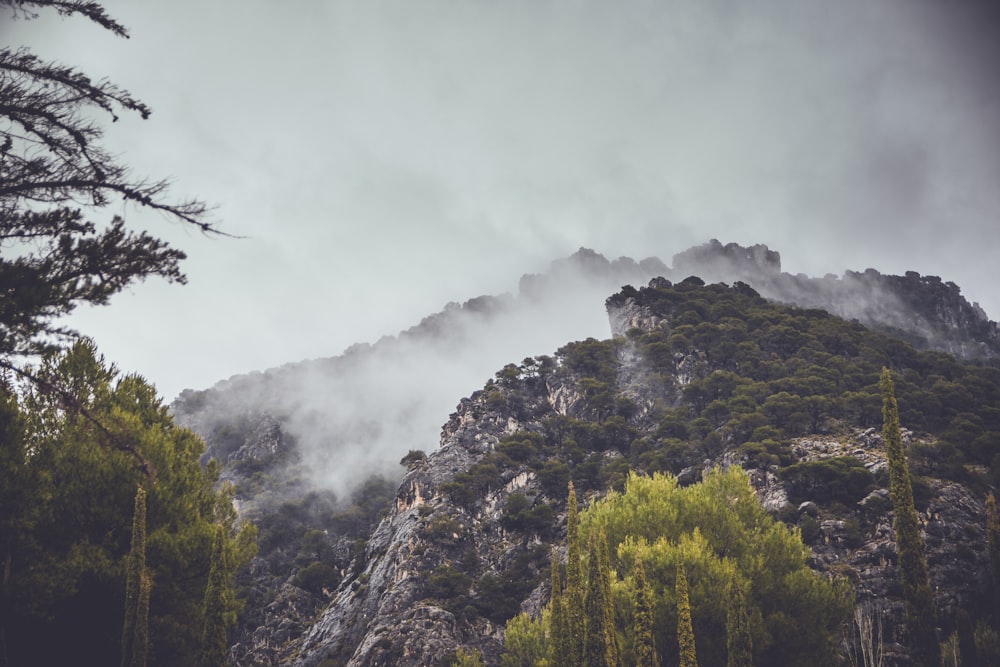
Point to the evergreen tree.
(739, 643)
(558, 633)
(54, 175)
(661, 524)
(135, 631)
(645, 643)
(18, 503)
(140, 645)
(921, 618)
(601, 645)
(574, 584)
(213, 637)
(685, 631)
(465, 658)
(604, 559)
(74, 508)
(524, 642)
(993, 543)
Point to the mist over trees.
(119, 541)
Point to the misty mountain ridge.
(696, 376)
(373, 403)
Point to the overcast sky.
(383, 158)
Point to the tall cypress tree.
(645, 643)
(604, 560)
(135, 630)
(993, 543)
(140, 647)
(685, 631)
(601, 647)
(214, 636)
(557, 620)
(739, 643)
(921, 618)
(574, 583)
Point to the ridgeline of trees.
(759, 374)
(755, 376)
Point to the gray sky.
(383, 158)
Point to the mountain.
(923, 310)
(696, 375)
(374, 402)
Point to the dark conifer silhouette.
(135, 633)
(55, 176)
(921, 618)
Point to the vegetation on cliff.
(717, 373)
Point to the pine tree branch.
(70, 402)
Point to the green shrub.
(316, 576)
(446, 584)
(842, 479)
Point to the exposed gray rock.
(808, 507)
(383, 614)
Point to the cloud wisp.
(384, 158)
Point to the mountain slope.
(698, 375)
(375, 402)
(313, 446)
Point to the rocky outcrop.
(392, 613)
(923, 310)
(420, 585)
(859, 542)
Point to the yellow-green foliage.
(719, 532)
(739, 643)
(575, 622)
(465, 658)
(525, 644)
(687, 656)
(643, 635)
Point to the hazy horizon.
(383, 159)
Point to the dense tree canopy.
(698, 542)
(68, 516)
(723, 374)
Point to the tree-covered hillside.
(722, 370)
(699, 376)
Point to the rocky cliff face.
(467, 537)
(429, 565)
(467, 540)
